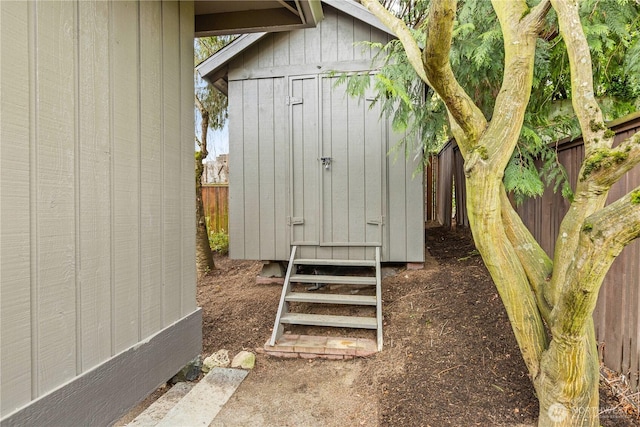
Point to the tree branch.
(605, 167)
(588, 112)
(536, 16)
(604, 235)
(537, 264)
(590, 195)
(520, 36)
(403, 34)
(438, 67)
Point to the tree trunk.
(567, 386)
(204, 255)
(564, 371)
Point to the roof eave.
(209, 69)
(306, 14)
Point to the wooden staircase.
(285, 316)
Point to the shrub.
(219, 242)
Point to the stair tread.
(330, 320)
(352, 280)
(323, 298)
(336, 262)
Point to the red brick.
(333, 356)
(309, 355)
(310, 344)
(341, 346)
(282, 354)
(284, 343)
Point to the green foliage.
(414, 109)
(213, 100)
(522, 178)
(635, 197)
(219, 242)
(612, 28)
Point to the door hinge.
(292, 100)
(296, 220)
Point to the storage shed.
(309, 164)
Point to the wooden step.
(327, 320)
(347, 280)
(337, 262)
(321, 298)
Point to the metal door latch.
(326, 162)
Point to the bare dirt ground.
(450, 358)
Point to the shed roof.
(214, 69)
(217, 17)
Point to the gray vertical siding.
(97, 203)
(263, 129)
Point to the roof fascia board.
(223, 56)
(312, 11)
(360, 12)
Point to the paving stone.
(200, 406)
(158, 409)
(285, 343)
(310, 347)
(310, 344)
(343, 346)
(366, 347)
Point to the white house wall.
(259, 136)
(96, 190)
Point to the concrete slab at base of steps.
(200, 405)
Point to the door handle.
(326, 162)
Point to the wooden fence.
(450, 186)
(617, 315)
(215, 198)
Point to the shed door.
(338, 166)
(353, 173)
(305, 189)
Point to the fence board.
(617, 315)
(215, 199)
